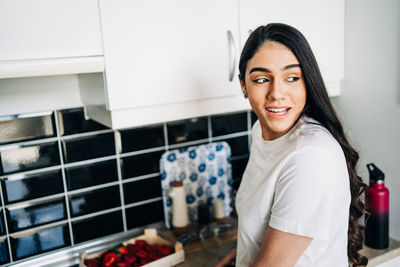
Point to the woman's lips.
(278, 112)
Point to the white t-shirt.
(298, 184)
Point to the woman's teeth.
(278, 111)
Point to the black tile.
(4, 256)
(39, 242)
(23, 218)
(96, 200)
(253, 117)
(2, 227)
(73, 122)
(144, 214)
(32, 186)
(27, 158)
(91, 174)
(228, 124)
(239, 145)
(141, 164)
(187, 130)
(99, 226)
(26, 128)
(142, 190)
(88, 147)
(238, 167)
(142, 138)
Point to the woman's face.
(275, 87)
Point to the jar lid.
(177, 183)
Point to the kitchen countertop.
(376, 256)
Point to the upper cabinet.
(46, 37)
(321, 22)
(166, 60)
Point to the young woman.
(299, 200)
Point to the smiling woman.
(299, 200)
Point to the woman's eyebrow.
(267, 70)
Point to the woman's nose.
(276, 91)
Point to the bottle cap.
(375, 174)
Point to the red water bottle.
(377, 202)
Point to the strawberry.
(141, 242)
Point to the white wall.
(370, 101)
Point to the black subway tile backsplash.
(26, 158)
(141, 164)
(253, 117)
(144, 214)
(40, 241)
(23, 218)
(239, 145)
(4, 255)
(88, 147)
(26, 128)
(2, 226)
(142, 190)
(99, 226)
(96, 200)
(187, 130)
(91, 174)
(142, 138)
(35, 209)
(73, 122)
(33, 186)
(228, 124)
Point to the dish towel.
(206, 173)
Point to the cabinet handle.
(232, 55)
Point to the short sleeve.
(307, 194)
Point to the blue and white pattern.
(206, 173)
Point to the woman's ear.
(243, 86)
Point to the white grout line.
(141, 152)
(210, 138)
(88, 161)
(36, 229)
(21, 175)
(64, 181)
(140, 203)
(118, 148)
(97, 213)
(229, 136)
(28, 143)
(143, 177)
(85, 134)
(191, 143)
(91, 188)
(166, 143)
(6, 224)
(33, 202)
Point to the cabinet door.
(321, 22)
(162, 52)
(49, 29)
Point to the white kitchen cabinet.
(48, 37)
(321, 22)
(49, 29)
(165, 60)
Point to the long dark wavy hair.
(318, 106)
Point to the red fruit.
(141, 242)
(150, 248)
(110, 258)
(92, 262)
(165, 250)
(145, 261)
(123, 250)
(133, 248)
(123, 264)
(130, 258)
(141, 254)
(155, 255)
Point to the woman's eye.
(261, 80)
(293, 79)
